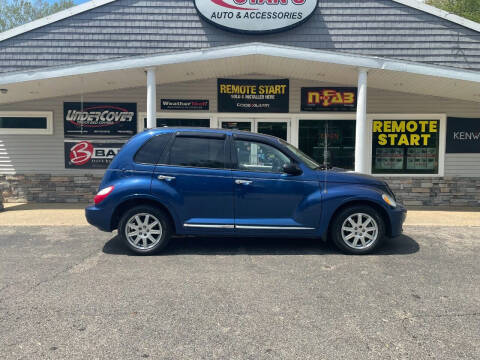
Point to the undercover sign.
(329, 99)
(85, 154)
(463, 135)
(94, 118)
(238, 95)
(256, 16)
(188, 105)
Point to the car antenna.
(325, 155)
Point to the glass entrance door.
(237, 124)
(275, 127)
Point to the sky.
(77, 2)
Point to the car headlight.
(389, 200)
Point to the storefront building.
(383, 87)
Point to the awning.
(252, 58)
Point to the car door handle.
(243, 182)
(165, 177)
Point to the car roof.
(212, 130)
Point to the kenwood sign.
(256, 16)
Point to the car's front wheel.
(145, 229)
(358, 229)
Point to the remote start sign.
(85, 154)
(256, 16)
(249, 95)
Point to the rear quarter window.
(151, 151)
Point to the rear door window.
(152, 150)
(198, 152)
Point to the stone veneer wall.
(47, 188)
(441, 191)
(413, 191)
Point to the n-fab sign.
(329, 99)
(256, 16)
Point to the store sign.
(404, 132)
(405, 146)
(256, 16)
(186, 105)
(264, 96)
(463, 135)
(93, 118)
(329, 99)
(84, 154)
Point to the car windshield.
(312, 164)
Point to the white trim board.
(416, 4)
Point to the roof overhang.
(259, 58)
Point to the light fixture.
(3, 91)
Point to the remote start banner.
(263, 96)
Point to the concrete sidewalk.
(73, 215)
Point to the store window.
(330, 142)
(162, 122)
(19, 122)
(405, 146)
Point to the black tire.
(340, 218)
(153, 212)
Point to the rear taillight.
(102, 194)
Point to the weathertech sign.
(256, 16)
(90, 154)
(100, 118)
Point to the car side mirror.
(292, 169)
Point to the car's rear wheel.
(358, 229)
(145, 229)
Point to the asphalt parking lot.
(74, 292)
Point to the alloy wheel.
(143, 231)
(359, 231)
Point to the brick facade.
(417, 191)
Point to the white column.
(151, 99)
(361, 129)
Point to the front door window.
(255, 156)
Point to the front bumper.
(100, 218)
(397, 218)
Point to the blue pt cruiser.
(191, 181)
